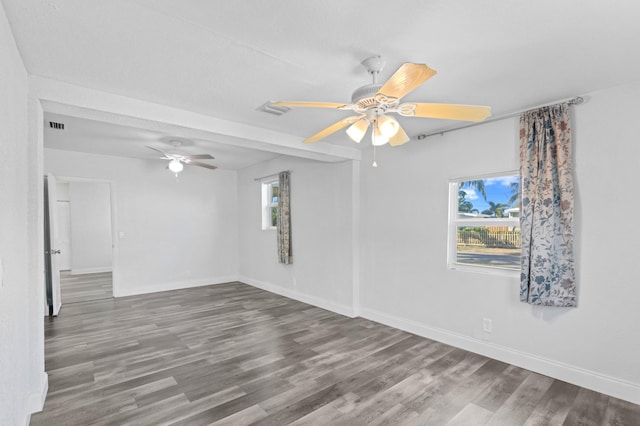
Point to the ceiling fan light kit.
(377, 137)
(388, 125)
(374, 102)
(177, 161)
(358, 129)
(175, 166)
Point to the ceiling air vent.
(271, 109)
(57, 126)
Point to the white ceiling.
(226, 58)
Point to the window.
(270, 204)
(484, 223)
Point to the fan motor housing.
(365, 96)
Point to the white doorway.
(85, 238)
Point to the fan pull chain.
(375, 164)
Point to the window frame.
(268, 204)
(454, 222)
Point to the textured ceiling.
(226, 58)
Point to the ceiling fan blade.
(198, 157)
(405, 79)
(160, 151)
(445, 111)
(332, 129)
(399, 138)
(309, 104)
(199, 164)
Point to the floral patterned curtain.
(546, 221)
(284, 220)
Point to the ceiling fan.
(373, 103)
(177, 161)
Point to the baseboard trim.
(320, 302)
(35, 401)
(91, 270)
(581, 377)
(173, 285)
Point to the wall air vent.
(57, 126)
(271, 109)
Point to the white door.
(52, 269)
(64, 236)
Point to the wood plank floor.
(232, 354)
(84, 287)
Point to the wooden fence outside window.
(489, 238)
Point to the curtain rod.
(271, 175)
(571, 101)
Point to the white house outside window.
(484, 224)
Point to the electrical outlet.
(487, 325)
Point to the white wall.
(176, 233)
(62, 191)
(64, 227)
(91, 238)
(405, 281)
(64, 236)
(22, 378)
(321, 221)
